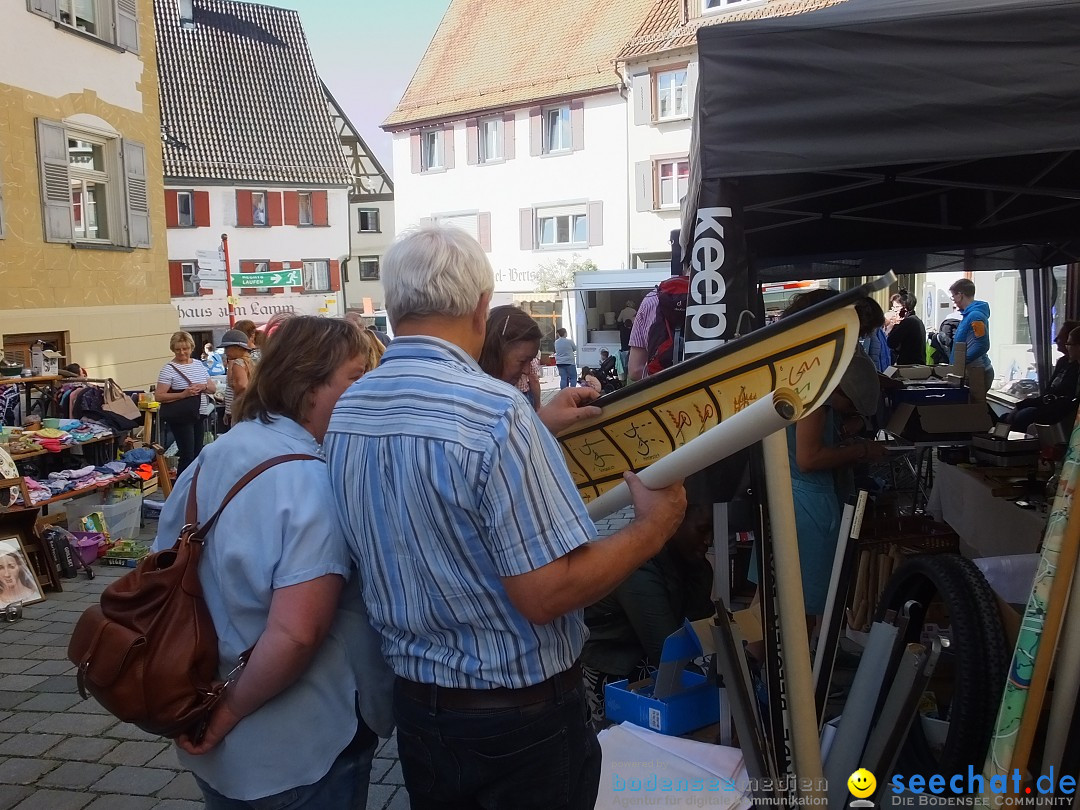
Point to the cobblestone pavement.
(59, 752)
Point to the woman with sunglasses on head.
(297, 726)
(510, 348)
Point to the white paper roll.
(768, 415)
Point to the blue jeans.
(345, 786)
(567, 375)
(537, 757)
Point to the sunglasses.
(12, 613)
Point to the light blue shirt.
(564, 351)
(280, 530)
(445, 481)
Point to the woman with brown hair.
(278, 581)
(510, 346)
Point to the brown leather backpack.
(148, 652)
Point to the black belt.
(500, 698)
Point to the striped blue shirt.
(445, 480)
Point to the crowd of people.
(425, 561)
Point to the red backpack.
(665, 334)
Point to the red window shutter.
(472, 141)
(202, 209)
(577, 125)
(414, 153)
(335, 275)
(176, 275)
(483, 230)
(247, 267)
(292, 208)
(320, 213)
(273, 208)
(275, 267)
(172, 217)
(243, 210)
(536, 132)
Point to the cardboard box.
(938, 422)
(674, 701)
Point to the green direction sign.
(279, 278)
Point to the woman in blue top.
(297, 726)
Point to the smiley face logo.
(862, 783)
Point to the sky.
(366, 52)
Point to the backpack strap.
(192, 508)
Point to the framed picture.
(17, 580)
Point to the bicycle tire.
(978, 652)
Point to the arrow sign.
(282, 278)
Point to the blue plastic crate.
(695, 706)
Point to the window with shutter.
(113, 21)
(317, 275)
(56, 193)
(562, 226)
(304, 214)
(93, 186)
(185, 209)
(558, 135)
(138, 205)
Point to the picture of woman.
(17, 581)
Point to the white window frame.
(116, 22)
(190, 195)
(716, 6)
(300, 197)
(565, 130)
(372, 215)
(574, 216)
(677, 111)
(67, 10)
(108, 178)
(310, 274)
(490, 148)
(661, 202)
(367, 260)
(466, 221)
(432, 150)
(261, 267)
(188, 270)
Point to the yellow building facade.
(83, 257)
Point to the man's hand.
(660, 508)
(568, 407)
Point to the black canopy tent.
(908, 134)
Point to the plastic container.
(122, 519)
(89, 545)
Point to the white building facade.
(532, 185)
(268, 230)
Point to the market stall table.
(989, 525)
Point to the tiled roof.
(665, 30)
(240, 98)
(488, 54)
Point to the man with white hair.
(478, 554)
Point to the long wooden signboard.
(643, 422)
